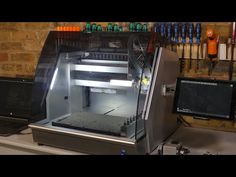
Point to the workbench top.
(23, 144)
(198, 140)
(205, 141)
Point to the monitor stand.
(201, 118)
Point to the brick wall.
(20, 46)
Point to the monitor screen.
(204, 98)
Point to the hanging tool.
(231, 65)
(198, 31)
(176, 33)
(183, 36)
(157, 28)
(212, 49)
(190, 34)
(169, 34)
(163, 34)
(176, 40)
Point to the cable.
(183, 121)
(24, 133)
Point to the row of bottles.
(113, 27)
(98, 28)
(138, 27)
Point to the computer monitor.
(205, 98)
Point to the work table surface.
(203, 141)
(198, 140)
(23, 144)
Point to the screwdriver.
(198, 41)
(169, 34)
(157, 28)
(176, 40)
(190, 33)
(183, 36)
(163, 33)
(176, 33)
(231, 65)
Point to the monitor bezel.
(195, 115)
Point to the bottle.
(109, 27)
(120, 28)
(94, 27)
(131, 27)
(145, 29)
(138, 27)
(88, 27)
(99, 28)
(115, 28)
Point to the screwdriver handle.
(198, 33)
(176, 32)
(169, 31)
(190, 32)
(184, 32)
(157, 28)
(163, 30)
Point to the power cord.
(24, 133)
(183, 121)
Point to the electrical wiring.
(183, 121)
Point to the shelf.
(225, 60)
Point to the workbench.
(23, 144)
(198, 140)
(205, 141)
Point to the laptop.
(15, 105)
